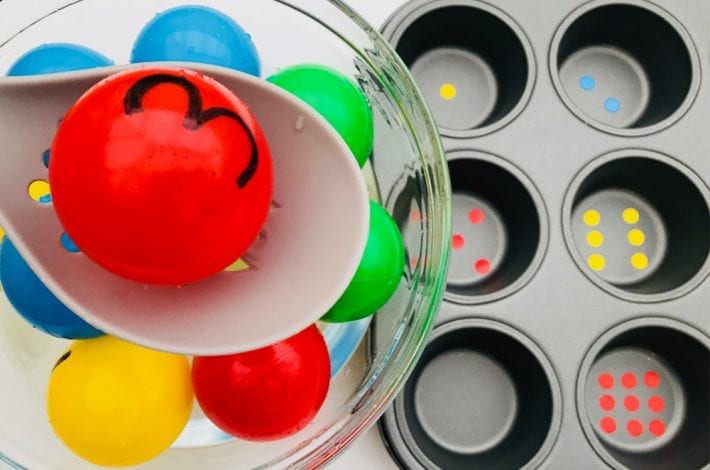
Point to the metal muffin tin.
(575, 331)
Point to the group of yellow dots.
(595, 239)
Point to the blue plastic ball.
(59, 57)
(35, 302)
(197, 34)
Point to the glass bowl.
(406, 173)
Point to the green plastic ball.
(337, 99)
(378, 274)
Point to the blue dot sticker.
(612, 105)
(69, 244)
(587, 83)
(45, 158)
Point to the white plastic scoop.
(314, 240)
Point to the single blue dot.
(45, 199)
(612, 105)
(69, 244)
(45, 158)
(58, 57)
(197, 34)
(34, 302)
(587, 83)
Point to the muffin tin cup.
(610, 63)
(471, 61)
(642, 395)
(492, 256)
(637, 223)
(482, 396)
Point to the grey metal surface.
(612, 116)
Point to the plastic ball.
(197, 34)
(337, 99)
(161, 175)
(34, 302)
(117, 404)
(378, 274)
(58, 57)
(268, 393)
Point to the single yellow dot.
(38, 189)
(639, 261)
(596, 262)
(631, 216)
(595, 239)
(238, 265)
(637, 237)
(448, 91)
(592, 218)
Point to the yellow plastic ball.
(117, 404)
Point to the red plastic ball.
(268, 393)
(161, 175)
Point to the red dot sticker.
(457, 241)
(631, 403)
(476, 216)
(415, 216)
(606, 381)
(656, 404)
(483, 266)
(657, 427)
(608, 425)
(628, 380)
(652, 379)
(634, 428)
(607, 403)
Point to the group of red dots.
(482, 265)
(656, 404)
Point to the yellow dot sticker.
(448, 91)
(639, 261)
(595, 239)
(637, 237)
(631, 216)
(38, 189)
(2, 232)
(596, 262)
(238, 265)
(592, 218)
